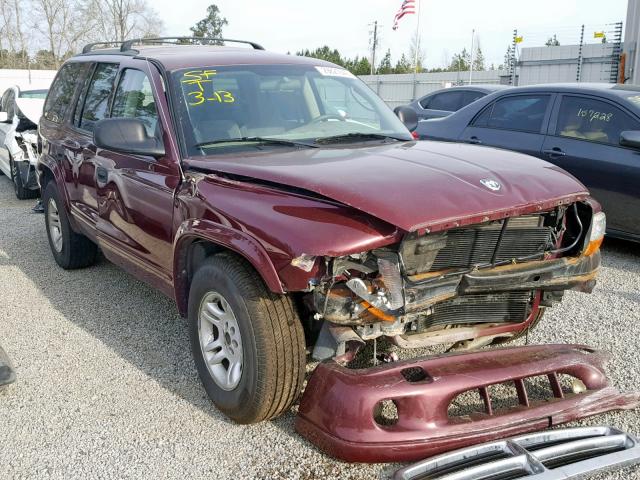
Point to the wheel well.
(45, 178)
(190, 257)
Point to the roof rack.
(127, 45)
(89, 47)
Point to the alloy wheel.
(220, 341)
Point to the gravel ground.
(107, 389)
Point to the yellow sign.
(519, 39)
(598, 34)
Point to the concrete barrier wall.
(25, 79)
(401, 89)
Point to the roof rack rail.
(89, 47)
(128, 44)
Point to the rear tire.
(71, 250)
(16, 177)
(227, 292)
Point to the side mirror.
(4, 117)
(630, 138)
(408, 116)
(126, 135)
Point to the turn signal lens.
(596, 236)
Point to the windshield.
(299, 105)
(41, 94)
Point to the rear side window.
(134, 99)
(470, 97)
(448, 101)
(96, 104)
(523, 113)
(588, 119)
(62, 91)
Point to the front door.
(135, 192)
(583, 139)
(515, 122)
(93, 105)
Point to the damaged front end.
(468, 286)
(25, 159)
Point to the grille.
(581, 452)
(466, 247)
(512, 307)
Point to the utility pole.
(374, 47)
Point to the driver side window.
(134, 99)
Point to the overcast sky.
(446, 26)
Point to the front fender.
(239, 242)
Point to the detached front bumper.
(337, 411)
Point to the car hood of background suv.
(412, 185)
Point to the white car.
(20, 111)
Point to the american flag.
(408, 7)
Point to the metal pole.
(513, 58)
(473, 32)
(415, 60)
(579, 74)
(374, 47)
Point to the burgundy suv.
(283, 205)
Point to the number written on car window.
(594, 120)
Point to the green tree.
(211, 26)
(478, 60)
(403, 65)
(324, 53)
(460, 62)
(553, 41)
(385, 65)
(358, 66)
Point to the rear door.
(56, 130)
(515, 122)
(136, 192)
(584, 137)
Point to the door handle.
(555, 152)
(475, 140)
(102, 175)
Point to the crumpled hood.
(413, 185)
(31, 108)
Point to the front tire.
(248, 343)
(71, 250)
(16, 177)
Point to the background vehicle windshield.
(286, 102)
(42, 94)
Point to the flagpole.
(415, 60)
(473, 34)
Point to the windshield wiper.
(358, 136)
(261, 140)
